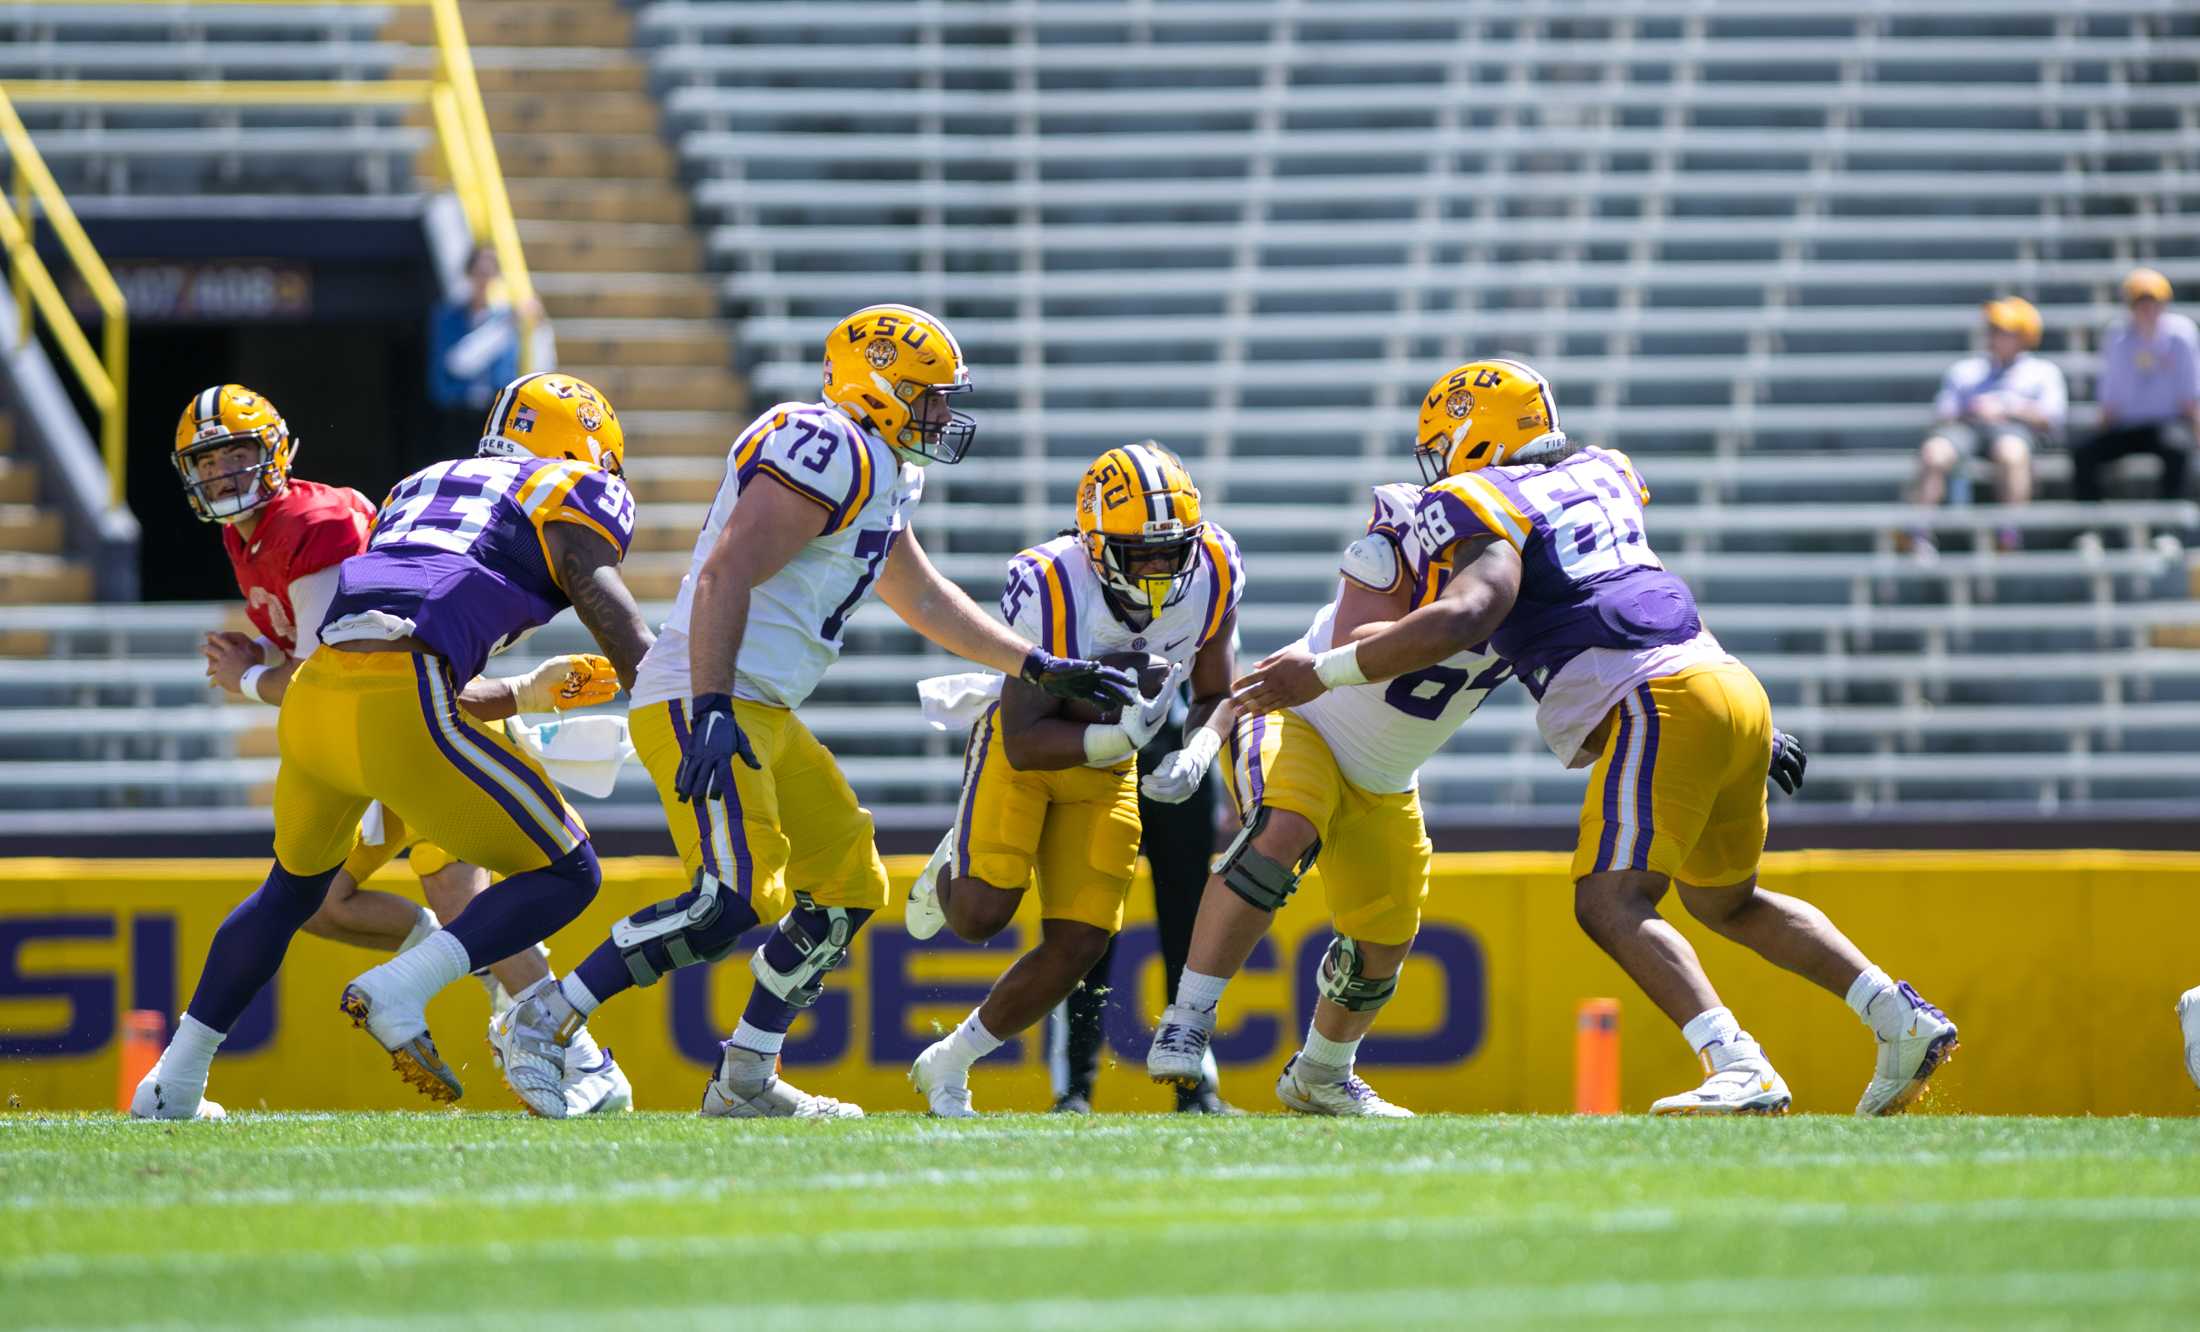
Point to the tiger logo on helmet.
(1487, 414)
(893, 369)
(551, 415)
(1139, 523)
(222, 481)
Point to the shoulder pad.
(1372, 562)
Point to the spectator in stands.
(473, 350)
(2003, 406)
(2149, 390)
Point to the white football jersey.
(1382, 733)
(1055, 598)
(796, 616)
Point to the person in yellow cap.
(2003, 405)
(2149, 390)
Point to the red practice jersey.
(307, 528)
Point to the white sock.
(971, 1042)
(1713, 1026)
(190, 1054)
(1336, 1054)
(755, 1038)
(1871, 983)
(417, 975)
(424, 925)
(578, 995)
(1198, 990)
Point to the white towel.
(954, 702)
(583, 753)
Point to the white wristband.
(1340, 666)
(1201, 746)
(248, 684)
(271, 652)
(1108, 744)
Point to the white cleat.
(401, 1027)
(1351, 1098)
(598, 1089)
(154, 1099)
(923, 916)
(1907, 1061)
(2188, 1017)
(944, 1085)
(748, 1086)
(530, 1041)
(1742, 1082)
(1179, 1052)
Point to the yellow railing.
(31, 284)
(453, 101)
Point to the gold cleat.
(416, 1062)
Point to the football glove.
(1788, 762)
(1074, 677)
(706, 760)
(1178, 775)
(579, 681)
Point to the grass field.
(901, 1224)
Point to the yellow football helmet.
(1138, 520)
(1485, 414)
(892, 368)
(227, 416)
(2014, 314)
(549, 415)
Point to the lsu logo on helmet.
(549, 415)
(1487, 414)
(1138, 521)
(892, 369)
(233, 451)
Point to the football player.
(1143, 573)
(465, 556)
(812, 517)
(1550, 566)
(284, 536)
(1338, 780)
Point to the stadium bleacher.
(1743, 239)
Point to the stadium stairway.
(605, 220)
(33, 568)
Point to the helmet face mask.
(1150, 572)
(936, 432)
(224, 419)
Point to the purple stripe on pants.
(973, 768)
(729, 809)
(472, 772)
(1608, 842)
(1643, 778)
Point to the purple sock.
(249, 946)
(767, 1011)
(528, 908)
(604, 972)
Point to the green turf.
(899, 1224)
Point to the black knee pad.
(702, 924)
(1264, 882)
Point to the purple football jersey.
(1588, 578)
(459, 550)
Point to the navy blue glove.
(1788, 762)
(1074, 677)
(706, 760)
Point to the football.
(1152, 673)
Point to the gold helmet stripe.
(500, 416)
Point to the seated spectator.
(2003, 406)
(2149, 390)
(473, 350)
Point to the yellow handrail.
(103, 377)
(455, 107)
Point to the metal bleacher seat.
(1745, 239)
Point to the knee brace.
(811, 940)
(700, 925)
(1264, 882)
(1340, 980)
